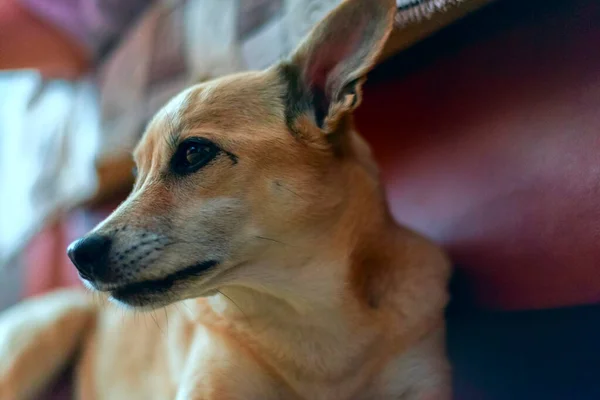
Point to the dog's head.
(242, 179)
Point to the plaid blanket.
(148, 51)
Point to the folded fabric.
(48, 140)
(96, 24)
(160, 47)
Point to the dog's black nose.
(90, 256)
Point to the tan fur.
(317, 293)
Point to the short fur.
(281, 272)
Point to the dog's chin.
(155, 293)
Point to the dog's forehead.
(236, 105)
(222, 105)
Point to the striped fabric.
(149, 50)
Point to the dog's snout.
(90, 255)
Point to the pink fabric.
(45, 258)
(495, 152)
(48, 266)
(94, 23)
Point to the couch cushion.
(488, 136)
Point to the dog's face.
(221, 184)
(241, 178)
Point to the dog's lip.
(153, 286)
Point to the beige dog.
(258, 224)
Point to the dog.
(258, 238)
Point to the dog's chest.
(141, 356)
(165, 355)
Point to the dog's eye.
(193, 154)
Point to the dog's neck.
(297, 336)
(313, 320)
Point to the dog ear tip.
(311, 70)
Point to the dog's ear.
(325, 73)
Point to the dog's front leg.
(37, 337)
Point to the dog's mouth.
(144, 292)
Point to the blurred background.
(484, 116)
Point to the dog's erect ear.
(328, 68)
